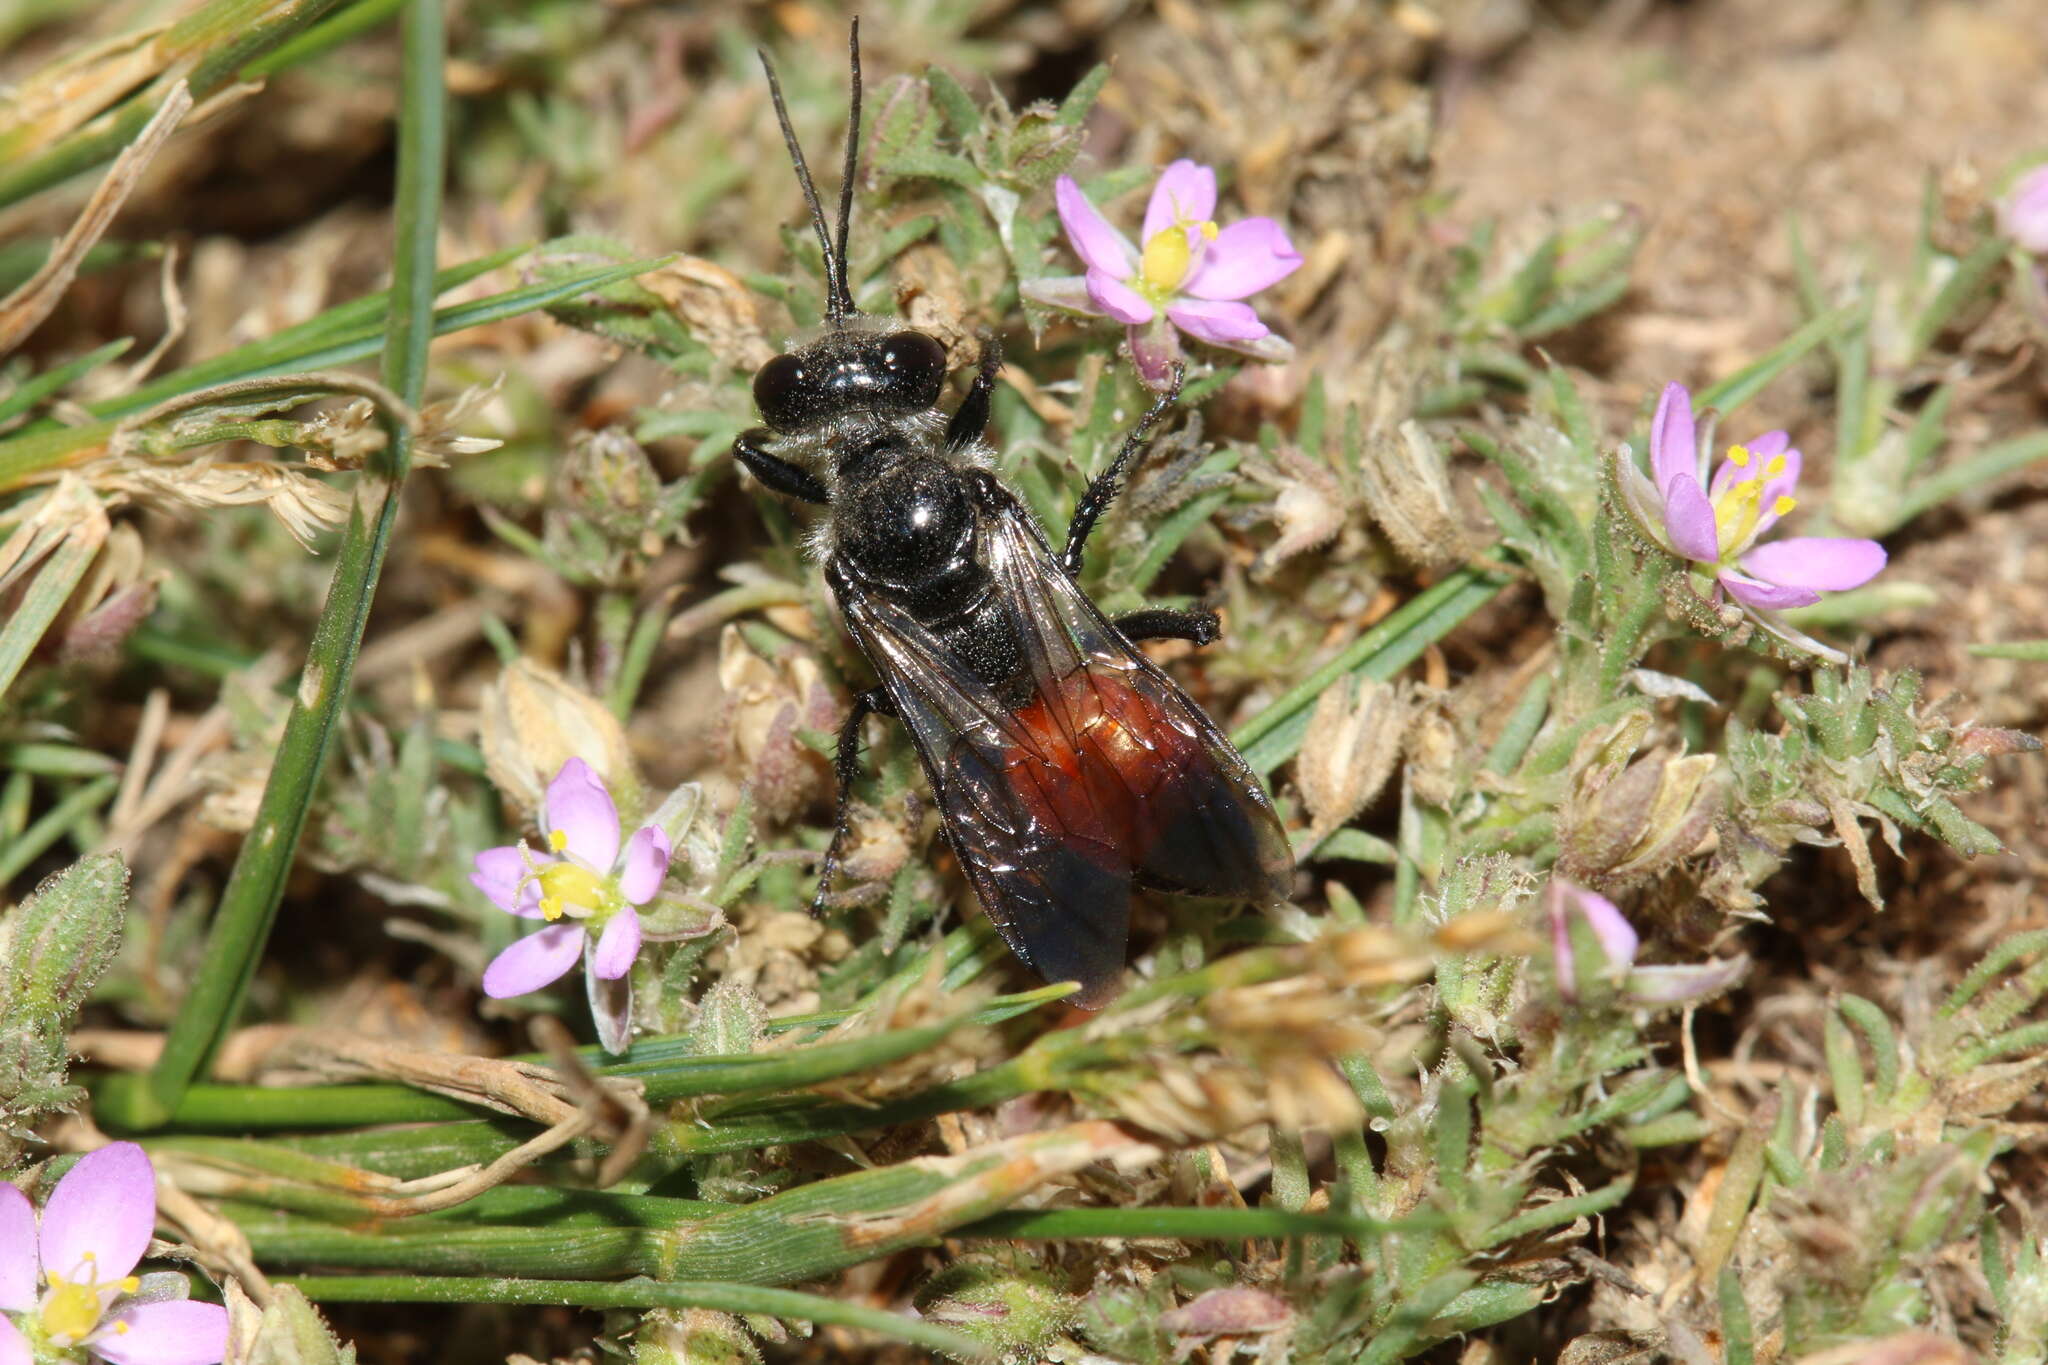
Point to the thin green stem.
(724, 1298)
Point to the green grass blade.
(248, 908)
(1745, 383)
(1271, 738)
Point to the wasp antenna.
(845, 301)
(836, 307)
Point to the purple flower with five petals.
(1189, 275)
(1716, 523)
(587, 890)
(94, 1229)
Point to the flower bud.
(1233, 1311)
(1352, 743)
(53, 947)
(532, 720)
(1011, 1311)
(693, 1336)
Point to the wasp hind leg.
(1197, 627)
(846, 767)
(1103, 488)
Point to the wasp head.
(850, 370)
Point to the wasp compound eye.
(913, 367)
(783, 392)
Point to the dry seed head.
(766, 702)
(1352, 743)
(1407, 485)
(306, 506)
(1656, 812)
(532, 720)
(717, 308)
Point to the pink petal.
(617, 946)
(105, 1208)
(1829, 563)
(498, 874)
(181, 1332)
(1096, 241)
(1611, 930)
(1765, 596)
(1064, 291)
(1245, 258)
(580, 807)
(1617, 936)
(1674, 440)
(533, 961)
(13, 1345)
(1154, 350)
(1689, 518)
(1116, 299)
(2023, 212)
(647, 854)
(1186, 193)
(17, 1250)
(1224, 323)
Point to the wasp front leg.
(970, 421)
(1102, 490)
(778, 473)
(846, 767)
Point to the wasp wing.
(1091, 771)
(1198, 822)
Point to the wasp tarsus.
(1066, 766)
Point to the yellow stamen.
(71, 1309)
(1784, 505)
(131, 1284)
(558, 840)
(1165, 262)
(120, 1328)
(564, 885)
(1735, 514)
(1775, 467)
(1739, 456)
(1208, 230)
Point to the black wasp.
(1066, 766)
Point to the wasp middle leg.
(846, 767)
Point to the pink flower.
(94, 1229)
(1190, 275)
(587, 890)
(1583, 921)
(1717, 524)
(2023, 212)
